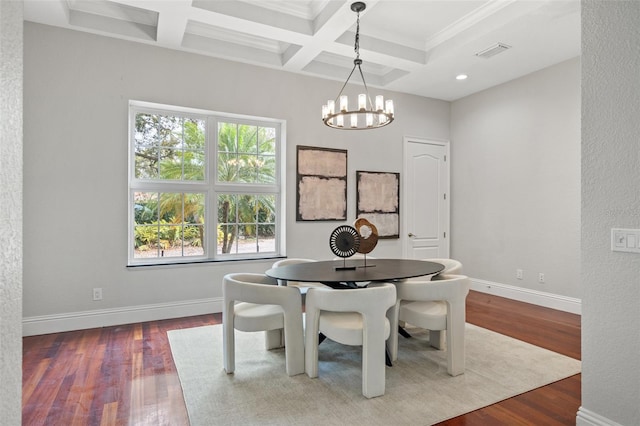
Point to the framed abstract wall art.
(378, 201)
(321, 184)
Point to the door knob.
(411, 235)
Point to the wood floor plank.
(125, 375)
(109, 414)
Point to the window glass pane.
(169, 224)
(267, 170)
(194, 158)
(267, 140)
(266, 238)
(167, 238)
(171, 165)
(194, 134)
(169, 147)
(246, 209)
(227, 137)
(145, 207)
(226, 208)
(266, 219)
(240, 157)
(247, 139)
(193, 240)
(146, 163)
(248, 168)
(227, 223)
(194, 165)
(146, 241)
(194, 208)
(267, 209)
(246, 223)
(227, 167)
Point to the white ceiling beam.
(48, 12)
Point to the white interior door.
(426, 191)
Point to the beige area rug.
(418, 389)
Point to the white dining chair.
(357, 317)
(300, 285)
(451, 267)
(255, 302)
(438, 306)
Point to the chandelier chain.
(357, 43)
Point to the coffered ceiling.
(411, 46)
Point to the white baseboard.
(57, 323)
(548, 300)
(589, 418)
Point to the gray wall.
(515, 182)
(610, 199)
(10, 212)
(77, 87)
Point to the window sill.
(201, 262)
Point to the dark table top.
(376, 270)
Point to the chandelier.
(367, 115)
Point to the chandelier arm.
(348, 78)
(366, 89)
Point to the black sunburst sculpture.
(344, 241)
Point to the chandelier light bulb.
(388, 108)
(362, 102)
(344, 103)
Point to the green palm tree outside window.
(172, 148)
(246, 154)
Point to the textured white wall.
(10, 212)
(515, 204)
(77, 87)
(610, 199)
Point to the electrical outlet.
(519, 274)
(97, 293)
(540, 277)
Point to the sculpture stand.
(344, 266)
(365, 262)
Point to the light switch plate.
(627, 240)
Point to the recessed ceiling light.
(461, 77)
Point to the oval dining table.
(347, 273)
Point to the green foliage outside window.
(168, 220)
(169, 148)
(172, 148)
(246, 154)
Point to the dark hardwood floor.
(125, 375)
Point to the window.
(203, 186)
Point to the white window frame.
(210, 186)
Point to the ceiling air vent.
(493, 50)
